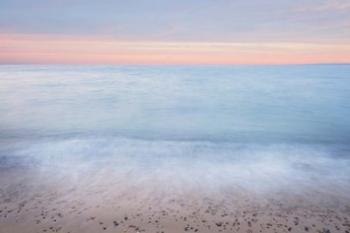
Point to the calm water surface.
(266, 124)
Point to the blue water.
(269, 124)
(303, 103)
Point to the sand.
(36, 199)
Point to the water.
(209, 103)
(254, 127)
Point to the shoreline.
(32, 202)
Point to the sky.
(174, 32)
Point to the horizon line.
(49, 49)
(170, 64)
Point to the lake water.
(253, 126)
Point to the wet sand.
(36, 199)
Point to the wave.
(191, 165)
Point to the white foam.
(192, 165)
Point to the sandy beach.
(77, 197)
(47, 207)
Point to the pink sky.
(174, 32)
(49, 49)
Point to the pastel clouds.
(49, 49)
(181, 31)
(328, 5)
